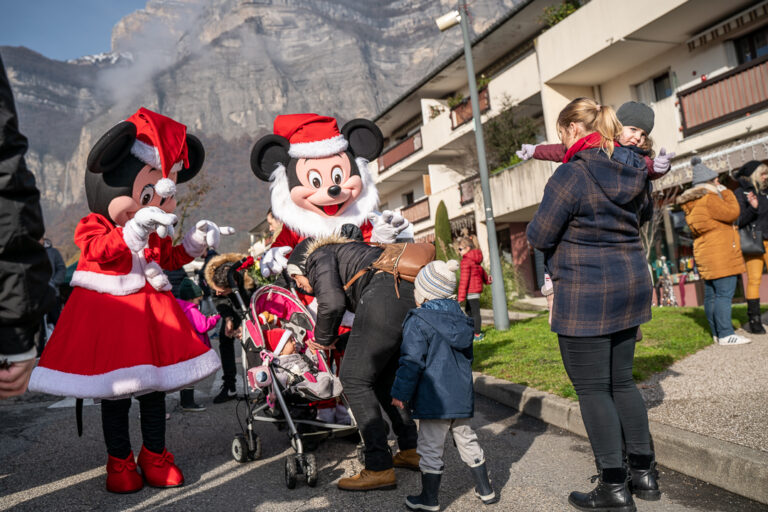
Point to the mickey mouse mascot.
(122, 334)
(320, 181)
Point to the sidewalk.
(708, 414)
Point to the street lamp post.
(500, 313)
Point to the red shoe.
(159, 469)
(122, 477)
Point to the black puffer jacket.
(749, 215)
(331, 263)
(24, 267)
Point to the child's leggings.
(432, 443)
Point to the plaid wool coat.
(587, 225)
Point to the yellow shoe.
(367, 480)
(407, 459)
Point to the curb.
(733, 467)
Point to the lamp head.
(447, 21)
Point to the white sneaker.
(715, 340)
(734, 339)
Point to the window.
(662, 87)
(408, 198)
(752, 46)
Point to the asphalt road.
(45, 466)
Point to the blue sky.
(62, 29)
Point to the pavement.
(708, 414)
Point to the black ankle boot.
(755, 322)
(427, 500)
(611, 494)
(483, 489)
(644, 477)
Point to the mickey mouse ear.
(267, 153)
(196, 157)
(365, 138)
(112, 148)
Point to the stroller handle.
(235, 288)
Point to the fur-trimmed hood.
(221, 259)
(325, 240)
(694, 193)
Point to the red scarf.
(592, 140)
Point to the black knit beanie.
(640, 115)
(747, 169)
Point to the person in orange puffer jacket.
(473, 278)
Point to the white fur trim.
(311, 224)
(132, 237)
(125, 382)
(165, 187)
(123, 284)
(319, 149)
(151, 156)
(283, 340)
(156, 277)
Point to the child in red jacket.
(473, 278)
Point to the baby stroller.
(290, 407)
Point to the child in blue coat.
(434, 381)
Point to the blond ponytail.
(595, 118)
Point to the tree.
(649, 231)
(443, 240)
(505, 133)
(188, 202)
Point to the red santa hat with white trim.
(162, 143)
(310, 135)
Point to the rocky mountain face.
(225, 68)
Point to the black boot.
(427, 500)
(755, 322)
(483, 489)
(187, 401)
(611, 494)
(644, 483)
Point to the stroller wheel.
(255, 454)
(240, 448)
(290, 472)
(311, 469)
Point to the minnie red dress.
(118, 335)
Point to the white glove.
(147, 220)
(204, 234)
(526, 151)
(662, 161)
(387, 226)
(274, 260)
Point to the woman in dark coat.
(372, 352)
(588, 227)
(752, 196)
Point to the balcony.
(467, 190)
(403, 150)
(732, 95)
(462, 112)
(417, 211)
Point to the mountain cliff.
(225, 68)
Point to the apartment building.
(702, 65)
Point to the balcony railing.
(462, 112)
(417, 211)
(406, 148)
(737, 93)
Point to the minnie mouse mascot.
(122, 333)
(320, 181)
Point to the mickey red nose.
(334, 190)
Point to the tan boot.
(407, 459)
(367, 480)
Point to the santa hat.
(310, 135)
(162, 143)
(276, 339)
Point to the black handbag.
(751, 240)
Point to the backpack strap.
(357, 276)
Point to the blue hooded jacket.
(435, 373)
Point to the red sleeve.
(367, 230)
(464, 271)
(99, 240)
(652, 175)
(551, 152)
(287, 238)
(171, 257)
(484, 275)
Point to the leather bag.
(751, 240)
(402, 260)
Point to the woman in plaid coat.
(587, 225)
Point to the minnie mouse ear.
(268, 152)
(112, 148)
(365, 138)
(196, 157)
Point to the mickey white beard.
(311, 224)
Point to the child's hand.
(662, 161)
(398, 403)
(526, 151)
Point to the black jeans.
(601, 371)
(473, 310)
(227, 354)
(114, 421)
(369, 366)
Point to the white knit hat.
(437, 280)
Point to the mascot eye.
(315, 179)
(337, 175)
(147, 194)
